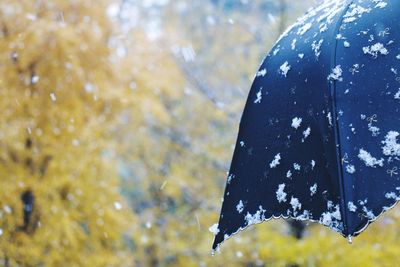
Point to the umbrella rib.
(338, 148)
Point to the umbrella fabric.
(318, 139)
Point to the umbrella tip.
(216, 250)
(350, 239)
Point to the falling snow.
(117, 205)
(7, 209)
(34, 79)
(53, 97)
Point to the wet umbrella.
(318, 139)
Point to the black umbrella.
(318, 137)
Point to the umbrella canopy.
(318, 139)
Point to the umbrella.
(318, 139)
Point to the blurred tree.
(181, 120)
(154, 98)
(174, 169)
(59, 95)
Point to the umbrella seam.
(338, 147)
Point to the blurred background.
(118, 120)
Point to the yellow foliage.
(59, 203)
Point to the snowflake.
(351, 206)
(259, 97)
(316, 47)
(391, 195)
(284, 68)
(391, 147)
(257, 217)
(375, 50)
(336, 73)
(368, 159)
(313, 189)
(354, 12)
(350, 169)
(368, 213)
(302, 30)
(397, 95)
(262, 73)
(293, 45)
(280, 194)
(306, 133)
(374, 130)
(276, 161)
(312, 164)
(296, 166)
(240, 207)
(296, 205)
(214, 229)
(230, 178)
(296, 122)
(328, 218)
(380, 3)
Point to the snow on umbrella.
(318, 139)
